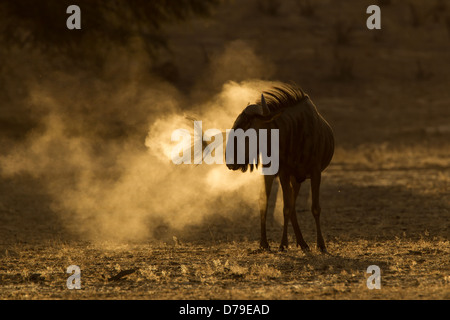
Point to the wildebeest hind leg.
(315, 208)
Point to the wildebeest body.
(306, 140)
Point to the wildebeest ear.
(265, 108)
(272, 117)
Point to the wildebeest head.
(253, 117)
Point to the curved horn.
(265, 108)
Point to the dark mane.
(282, 97)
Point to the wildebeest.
(306, 147)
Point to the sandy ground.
(402, 227)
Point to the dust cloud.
(111, 183)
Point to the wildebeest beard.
(247, 128)
(244, 167)
(244, 146)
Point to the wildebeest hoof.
(305, 249)
(324, 250)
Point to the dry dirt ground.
(385, 197)
(395, 218)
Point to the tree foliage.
(42, 23)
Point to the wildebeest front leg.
(298, 234)
(263, 205)
(315, 208)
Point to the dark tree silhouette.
(42, 23)
(35, 44)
